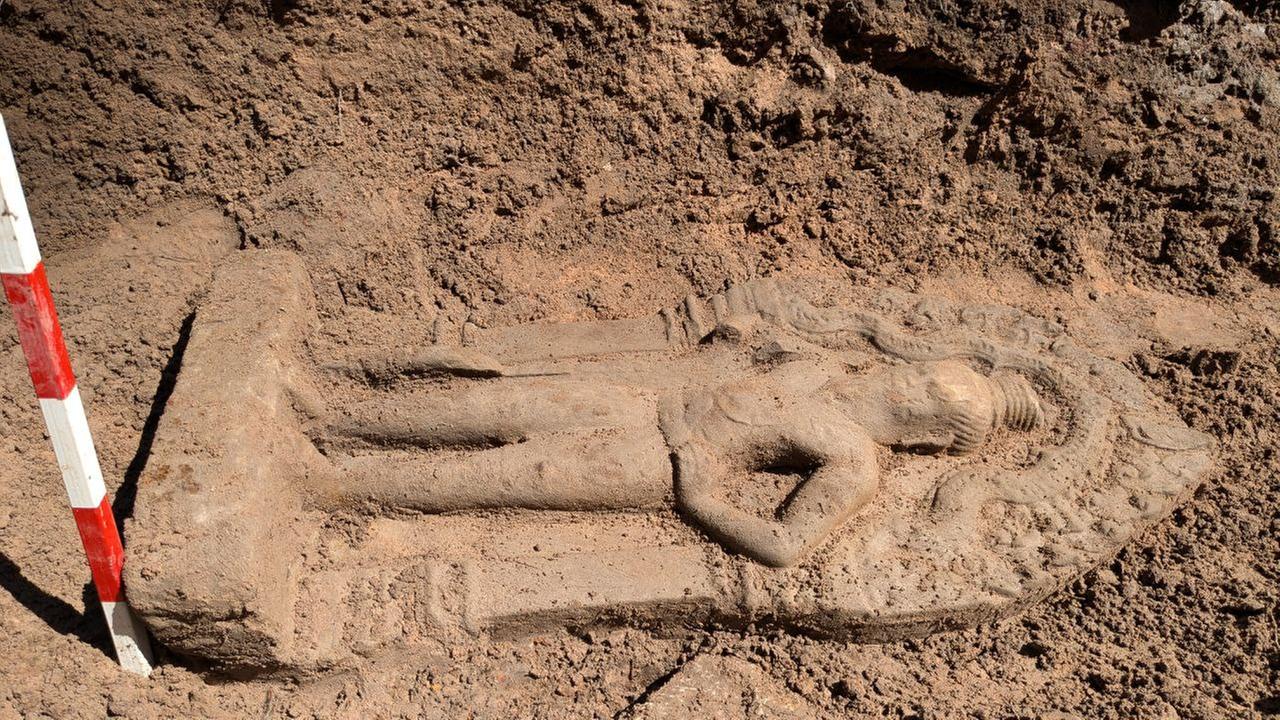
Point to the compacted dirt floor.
(510, 160)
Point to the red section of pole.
(40, 334)
(101, 540)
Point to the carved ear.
(929, 443)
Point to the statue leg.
(605, 470)
(490, 413)
(551, 443)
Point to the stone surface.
(872, 468)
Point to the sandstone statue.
(867, 466)
(562, 443)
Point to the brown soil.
(503, 162)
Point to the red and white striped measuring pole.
(27, 289)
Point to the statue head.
(946, 406)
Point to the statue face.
(931, 402)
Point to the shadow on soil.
(127, 493)
(54, 611)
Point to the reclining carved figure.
(244, 551)
(579, 441)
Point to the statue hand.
(698, 473)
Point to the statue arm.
(429, 360)
(839, 487)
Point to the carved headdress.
(1001, 400)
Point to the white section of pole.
(18, 250)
